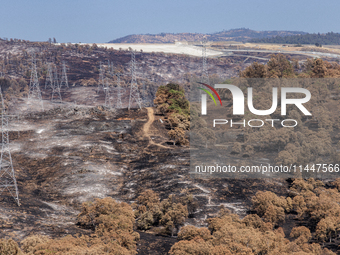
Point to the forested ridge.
(317, 39)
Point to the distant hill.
(248, 34)
(240, 35)
(319, 39)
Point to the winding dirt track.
(146, 128)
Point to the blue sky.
(105, 20)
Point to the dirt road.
(146, 128)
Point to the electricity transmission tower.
(108, 66)
(144, 93)
(134, 93)
(119, 92)
(101, 78)
(7, 177)
(107, 94)
(56, 87)
(2, 72)
(34, 89)
(63, 79)
(49, 76)
(205, 75)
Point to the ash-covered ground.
(67, 154)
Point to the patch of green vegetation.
(171, 99)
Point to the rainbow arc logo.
(238, 99)
(209, 93)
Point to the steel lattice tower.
(144, 93)
(205, 75)
(34, 89)
(107, 94)
(2, 73)
(7, 176)
(49, 76)
(108, 66)
(119, 92)
(134, 93)
(56, 87)
(64, 80)
(101, 78)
